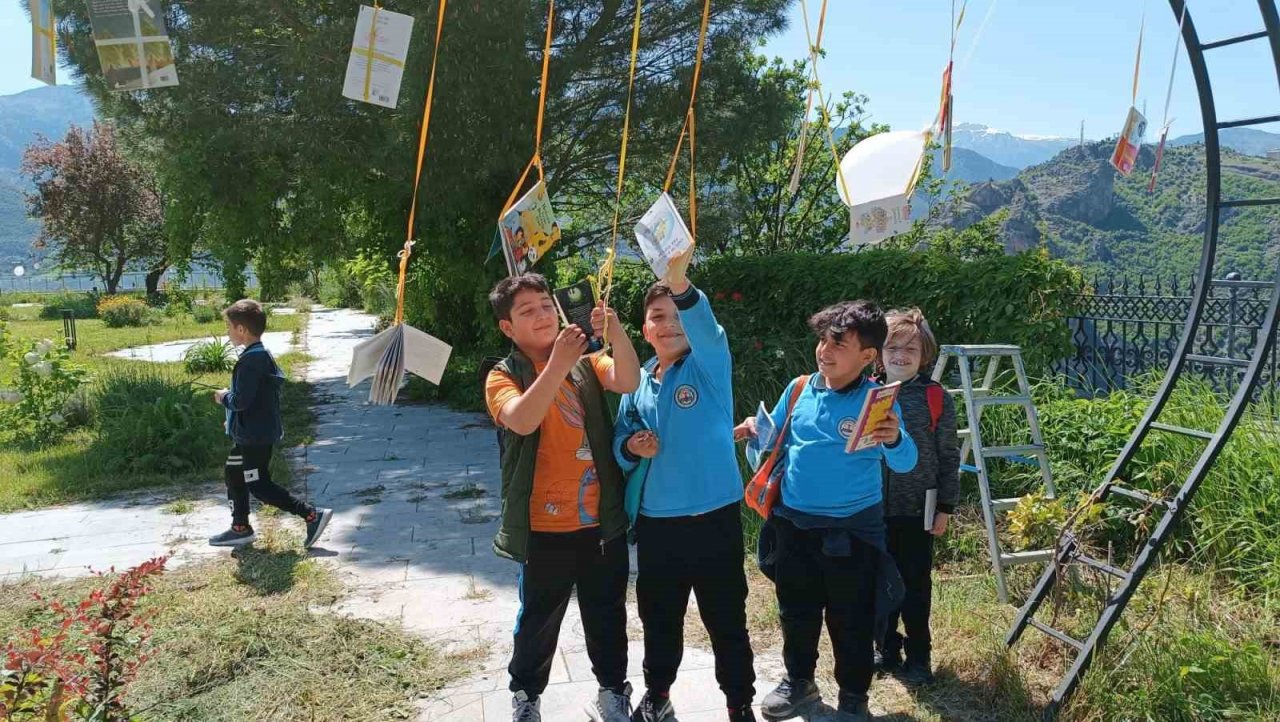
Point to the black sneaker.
(236, 536)
(853, 708)
(788, 698)
(742, 714)
(916, 674)
(888, 661)
(316, 523)
(653, 708)
(524, 709)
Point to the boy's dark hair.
(863, 318)
(248, 313)
(656, 291)
(503, 295)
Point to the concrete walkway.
(415, 491)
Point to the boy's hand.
(218, 395)
(677, 272)
(745, 430)
(886, 432)
(940, 523)
(643, 444)
(570, 345)
(598, 316)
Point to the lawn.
(249, 637)
(79, 467)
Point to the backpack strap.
(935, 395)
(800, 383)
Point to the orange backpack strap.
(800, 383)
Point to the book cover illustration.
(1125, 156)
(878, 406)
(576, 303)
(662, 235)
(133, 44)
(529, 229)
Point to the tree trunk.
(153, 279)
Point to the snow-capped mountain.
(1018, 151)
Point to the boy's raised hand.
(643, 444)
(678, 272)
(570, 345)
(886, 432)
(745, 430)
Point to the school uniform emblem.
(686, 396)
(847, 425)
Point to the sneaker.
(316, 523)
(853, 708)
(524, 709)
(916, 673)
(610, 706)
(888, 661)
(742, 714)
(787, 699)
(236, 536)
(653, 708)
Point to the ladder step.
(964, 433)
(1248, 121)
(1218, 360)
(993, 349)
(1245, 202)
(1056, 634)
(1014, 451)
(978, 391)
(1005, 504)
(1137, 496)
(1102, 566)
(1016, 558)
(1002, 400)
(1197, 433)
(1232, 41)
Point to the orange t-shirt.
(566, 488)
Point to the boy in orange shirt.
(563, 518)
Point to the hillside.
(1087, 214)
(1008, 149)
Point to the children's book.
(378, 53)
(529, 229)
(930, 508)
(879, 404)
(662, 235)
(133, 44)
(1125, 156)
(387, 356)
(766, 437)
(576, 303)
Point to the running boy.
(689, 524)
(929, 416)
(253, 423)
(829, 525)
(562, 492)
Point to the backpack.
(934, 394)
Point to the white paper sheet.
(374, 73)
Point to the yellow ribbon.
(536, 160)
(417, 177)
(371, 51)
(693, 99)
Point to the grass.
(179, 508)
(75, 469)
(240, 638)
(468, 491)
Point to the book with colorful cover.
(133, 44)
(1125, 156)
(662, 235)
(878, 406)
(529, 229)
(576, 303)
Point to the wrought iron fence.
(1129, 326)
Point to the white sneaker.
(610, 706)
(524, 709)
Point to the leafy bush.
(84, 305)
(32, 413)
(204, 313)
(207, 357)
(150, 422)
(122, 311)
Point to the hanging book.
(1164, 136)
(378, 53)
(387, 356)
(529, 229)
(1125, 156)
(875, 409)
(576, 304)
(944, 118)
(877, 177)
(662, 235)
(875, 221)
(133, 44)
(44, 44)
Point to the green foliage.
(204, 313)
(338, 288)
(208, 357)
(150, 422)
(122, 311)
(32, 413)
(84, 305)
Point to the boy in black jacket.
(253, 423)
(930, 417)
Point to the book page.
(930, 508)
(766, 436)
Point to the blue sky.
(1039, 67)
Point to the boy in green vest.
(563, 518)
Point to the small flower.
(779, 353)
(44, 346)
(10, 396)
(719, 295)
(56, 419)
(32, 358)
(737, 295)
(44, 369)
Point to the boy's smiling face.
(842, 360)
(902, 356)
(534, 322)
(663, 330)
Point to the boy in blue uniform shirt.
(830, 555)
(688, 528)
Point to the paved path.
(415, 492)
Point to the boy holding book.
(929, 416)
(827, 531)
(688, 523)
(562, 492)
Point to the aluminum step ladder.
(975, 400)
